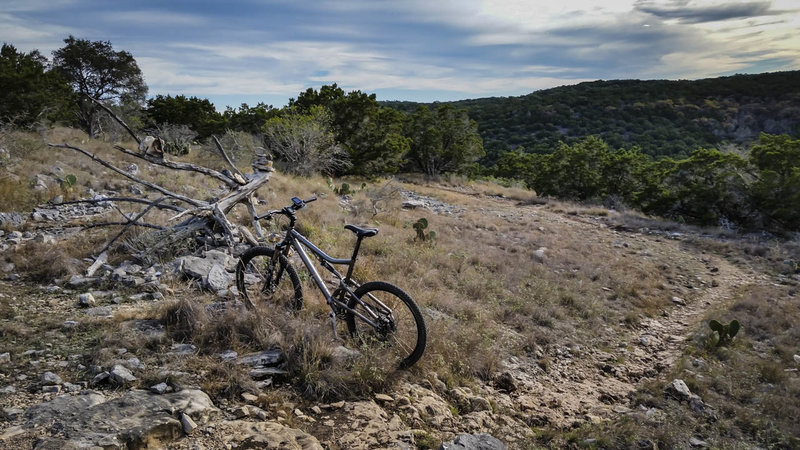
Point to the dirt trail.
(589, 383)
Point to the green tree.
(708, 188)
(305, 143)
(621, 173)
(444, 140)
(30, 92)
(519, 165)
(371, 135)
(248, 118)
(776, 189)
(95, 70)
(574, 172)
(378, 146)
(198, 114)
(654, 196)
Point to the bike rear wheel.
(399, 329)
(261, 283)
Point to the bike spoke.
(254, 279)
(399, 333)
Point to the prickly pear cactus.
(725, 333)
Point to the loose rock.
(86, 300)
(474, 442)
(121, 375)
(188, 424)
(50, 378)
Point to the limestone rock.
(183, 349)
(253, 435)
(50, 378)
(121, 375)
(187, 423)
(261, 359)
(413, 204)
(160, 388)
(343, 355)
(678, 389)
(137, 419)
(198, 268)
(480, 404)
(86, 300)
(12, 413)
(434, 409)
(383, 398)
(506, 382)
(474, 442)
(217, 278)
(377, 428)
(13, 220)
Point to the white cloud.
(28, 35)
(154, 17)
(471, 47)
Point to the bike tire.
(407, 338)
(252, 272)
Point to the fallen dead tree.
(196, 219)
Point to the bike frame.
(294, 239)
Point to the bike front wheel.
(397, 328)
(263, 282)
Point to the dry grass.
(47, 262)
(750, 387)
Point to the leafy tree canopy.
(198, 114)
(29, 91)
(442, 140)
(371, 135)
(95, 70)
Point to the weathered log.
(179, 166)
(240, 179)
(204, 217)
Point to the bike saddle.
(361, 231)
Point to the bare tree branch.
(191, 201)
(114, 116)
(227, 159)
(206, 218)
(251, 208)
(109, 224)
(180, 166)
(134, 221)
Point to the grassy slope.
(587, 324)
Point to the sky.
(251, 51)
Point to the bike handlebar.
(297, 203)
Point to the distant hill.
(664, 118)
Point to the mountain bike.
(377, 314)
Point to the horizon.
(253, 51)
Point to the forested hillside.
(663, 118)
(722, 151)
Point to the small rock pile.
(58, 212)
(412, 200)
